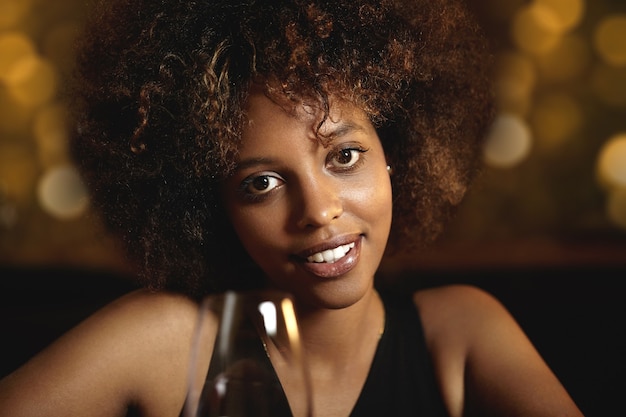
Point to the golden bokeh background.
(554, 188)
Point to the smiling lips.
(332, 263)
(331, 255)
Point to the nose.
(320, 202)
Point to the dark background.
(576, 317)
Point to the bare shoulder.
(133, 351)
(484, 362)
(457, 299)
(457, 309)
(452, 317)
(168, 312)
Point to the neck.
(336, 335)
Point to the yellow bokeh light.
(61, 193)
(508, 143)
(14, 48)
(609, 39)
(564, 15)
(13, 11)
(555, 118)
(611, 163)
(567, 61)
(533, 29)
(544, 17)
(17, 172)
(515, 81)
(33, 81)
(15, 118)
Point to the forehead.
(272, 116)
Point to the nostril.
(319, 214)
(319, 201)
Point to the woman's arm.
(132, 353)
(485, 364)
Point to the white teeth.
(331, 255)
(316, 258)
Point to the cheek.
(373, 200)
(383, 203)
(256, 229)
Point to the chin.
(331, 295)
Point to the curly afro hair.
(159, 97)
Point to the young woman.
(286, 144)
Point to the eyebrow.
(339, 129)
(342, 128)
(253, 162)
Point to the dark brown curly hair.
(161, 85)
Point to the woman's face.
(314, 217)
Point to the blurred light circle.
(18, 170)
(564, 14)
(15, 118)
(616, 207)
(555, 118)
(611, 163)
(13, 11)
(33, 81)
(544, 17)
(14, 47)
(61, 193)
(508, 142)
(533, 29)
(609, 40)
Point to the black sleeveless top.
(400, 383)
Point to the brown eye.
(345, 156)
(346, 159)
(261, 184)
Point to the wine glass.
(251, 345)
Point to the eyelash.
(252, 197)
(338, 153)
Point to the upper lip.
(328, 244)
